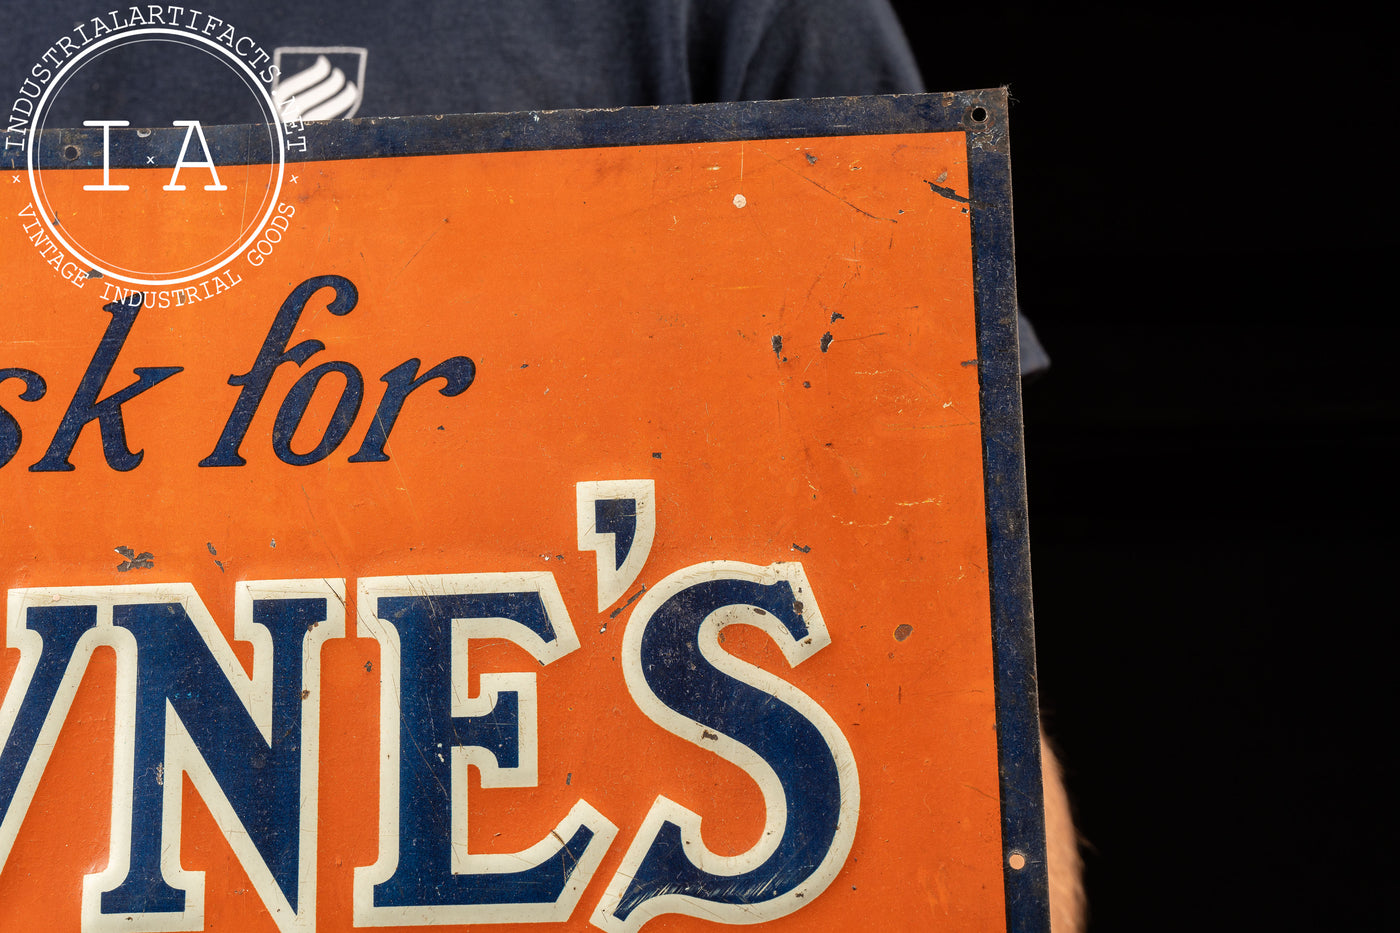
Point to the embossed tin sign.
(602, 519)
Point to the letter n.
(184, 706)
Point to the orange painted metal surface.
(778, 335)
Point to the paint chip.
(143, 561)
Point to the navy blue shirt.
(502, 55)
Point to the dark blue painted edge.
(983, 116)
(516, 132)
(1008, 548)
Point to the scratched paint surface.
(779, 335)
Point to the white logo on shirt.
(311, 83)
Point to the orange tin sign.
(583, 520)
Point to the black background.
(1204, 244)
(1202, 235)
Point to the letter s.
(685, 682)
(10, 433)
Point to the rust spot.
(804, 548)
(306, 693)
(143, 561)
(707, 734)
(903, 631)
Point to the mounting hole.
(71, 152)
(1017, 861)
(143, 132)
(978, 114)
